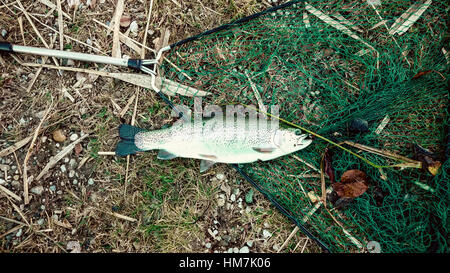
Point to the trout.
(214, 141)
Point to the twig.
(60, 25)
(10, 193)
(125, 109)
(11, 230)
(25, 166)
(383, 124)
(12, 221)
(116, 19)
(306, 163)
(116, 215)
(133, 121)
(388, 154)
(20, 21)
(18, 211)
(288, 238)
(19, 168)
(146, 29)
(106, 153)
(351, 237)
(322, 180)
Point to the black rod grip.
(5, 46)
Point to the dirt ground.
(95, 202)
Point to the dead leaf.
(353, 184)
(125, 21)
(428, 159)
(434, 167)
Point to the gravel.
(244, 249)
(37, 190)
(266, 234)
(73, 137)
(220, 176)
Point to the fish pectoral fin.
(264, 150)
(165, 155)
(208, 156)
(205, 165)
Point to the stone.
(233, 197)
(16, 184)
(208, 245)
(73, 137)
(72, 164)
(63, 168)
(91, 181)
(37, 190)
(250, 243)
(359, 125)
(221, 200)
(244, 249)
(220, 176)
(266, 234)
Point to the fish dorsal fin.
(264, 150)
(205, 165)
(165, 155)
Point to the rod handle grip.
(5, 46)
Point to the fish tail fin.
(126, 145)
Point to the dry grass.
(168, 206)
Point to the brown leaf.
(353, 184)
(125, 21)
(352, 176)
(434, 167)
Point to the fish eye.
(298, 132)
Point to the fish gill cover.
(327, 64)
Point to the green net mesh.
(325, 64)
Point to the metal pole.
(69, 55)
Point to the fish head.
(291, 140)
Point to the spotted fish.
(214, 141)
